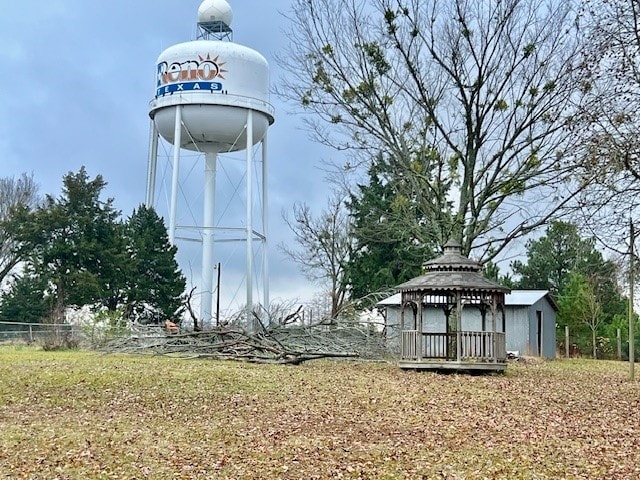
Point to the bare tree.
(579, 304)
(15, 193)
(591, 315)
(608, 123)
(323, 245)
(477, 92)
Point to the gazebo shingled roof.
(452, 272)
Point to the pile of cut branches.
(283, 343)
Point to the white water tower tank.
(215, 82)
(212, 96)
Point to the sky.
(76, 80)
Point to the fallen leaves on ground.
(81, 415)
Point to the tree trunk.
(57, 315)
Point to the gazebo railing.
(501, 347)
(474, 346)
(409, 348)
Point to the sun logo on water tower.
(214, 67)
(190, 75)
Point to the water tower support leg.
(208, 238)
(153, 164)
(177, 141)
(249, 311)
(265, 225)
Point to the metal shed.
(532, 323)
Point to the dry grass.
(82, 416)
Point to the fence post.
(619, 340)
(30, 334)
(566, 341)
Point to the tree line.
(76, 250)
(586, 287)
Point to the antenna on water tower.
(212, 97)
(214, 20)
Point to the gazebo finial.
(452, 260)
(452, 246)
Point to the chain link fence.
(45, 334)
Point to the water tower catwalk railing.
(217, 30)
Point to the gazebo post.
(403, 307)
(459, 326)
(483, 316)
(419, 349)
(447, 318)
(494, 309)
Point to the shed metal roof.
(529, 297)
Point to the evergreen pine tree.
(26, 300)
(392, 237)
(157, 287)
(76, 243)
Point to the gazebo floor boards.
(448, 365)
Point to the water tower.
(212, 97)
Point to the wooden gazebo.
(452, 317)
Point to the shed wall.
(517, 335)
(548, 334)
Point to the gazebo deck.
(445, 365)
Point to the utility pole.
(218, 297)
(631, 313)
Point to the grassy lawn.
(81, 415)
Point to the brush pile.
(281, 343)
